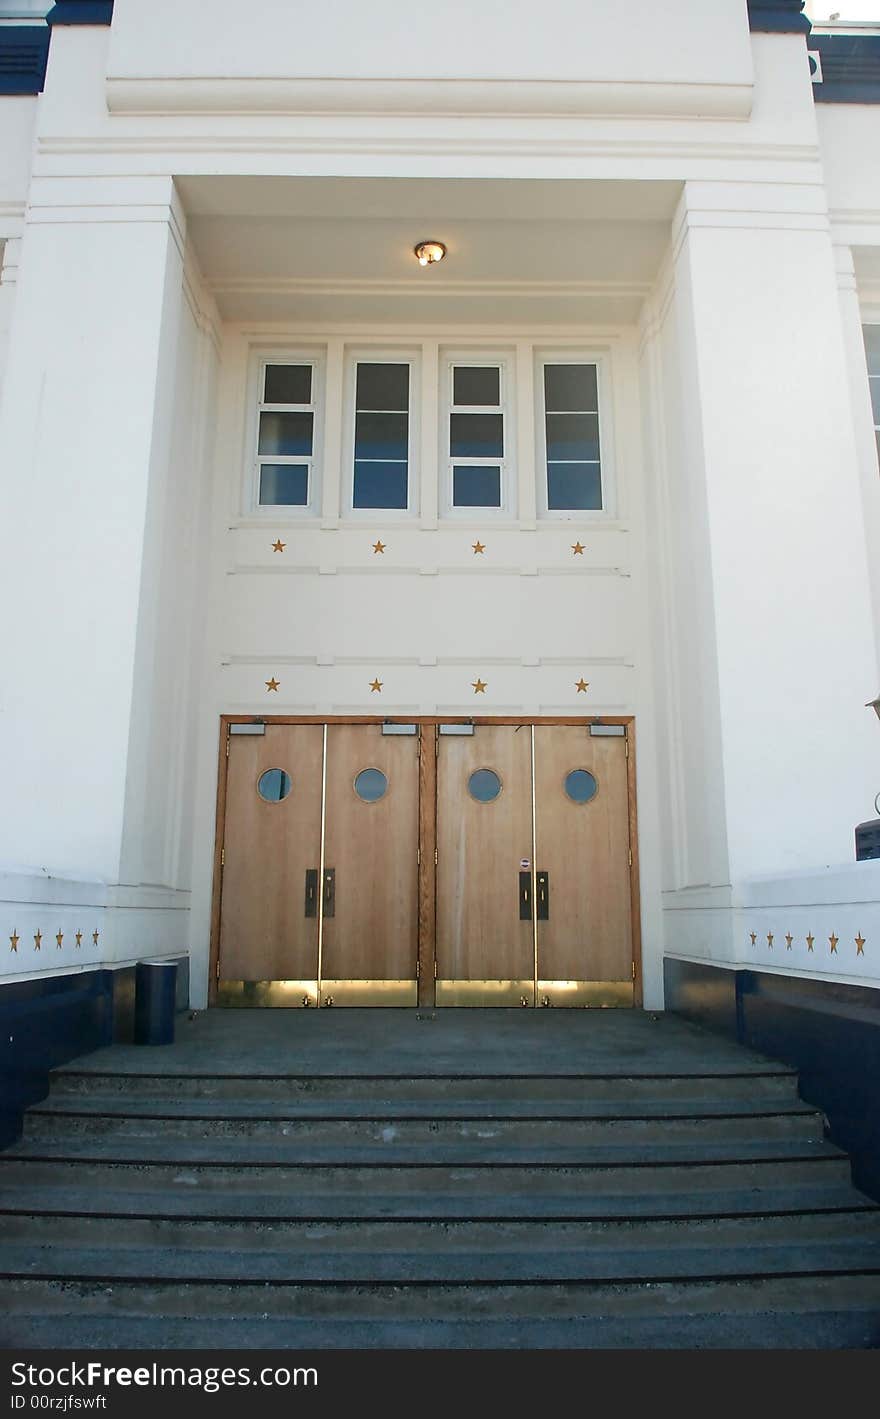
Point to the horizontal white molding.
(424, 663)
(773, 969)
(465, 569)
(416, 97)
(305, 285)
(84, 967)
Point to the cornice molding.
(419, 97)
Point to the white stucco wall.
(727, 606)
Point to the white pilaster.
(84, 426)
(766, 397)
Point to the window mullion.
(525, 435)
(333, 404)
(430, 435)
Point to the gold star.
(273, 684)
(754, 936)
(770, 939)
(788, 940)
(479, 547)
(14, 940)
(479, 686)
(59, 937)
(278, 546)
(37, 941)
(378, 547)
(95, 934)
(860, 945)
(375, 687)
(582, 686)
(79, 939)
(810, 939)
(577, 549)
(834, 940)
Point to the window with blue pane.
(477, 436)
(571, 433)
(381, 435)
(286, 434)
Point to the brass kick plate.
(253, 994)
(561, 994)
(586, 994)
(370, 992)
(303, 994)
(485, 992)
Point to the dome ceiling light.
(429, 252)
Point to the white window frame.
(316, 358)
(569, 355)
(505, 361)
(874, 323)
(390, 355)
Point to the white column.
(84, 422)
(766, 397)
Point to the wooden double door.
(395, 864)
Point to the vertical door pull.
(311, 891)
(543, 896)
(329, 891)
(525, 896)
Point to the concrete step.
(618, 1144)
(393, 1253)
(745, 1189)
(380, 1133)
(452, 1091)
(331, 1312)
(381, 1108)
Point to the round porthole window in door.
(484, 785)
(371, 785)
(274, 785)
(581, 786)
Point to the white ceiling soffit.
(324, 249)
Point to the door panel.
(584, 918)
(371, 840)
(485, 951)
(268, 943)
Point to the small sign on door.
(524, 864)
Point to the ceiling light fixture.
(429, 252)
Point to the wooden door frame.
(427, 824)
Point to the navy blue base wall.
(49, 1021)
(44, 1023)
(829, 1032)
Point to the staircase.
(432, 1209)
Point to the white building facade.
(607, 473)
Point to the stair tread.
(840, 1329)
(109, 1106)
(248, 1154)
(63, 1199)
(392, 1266)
